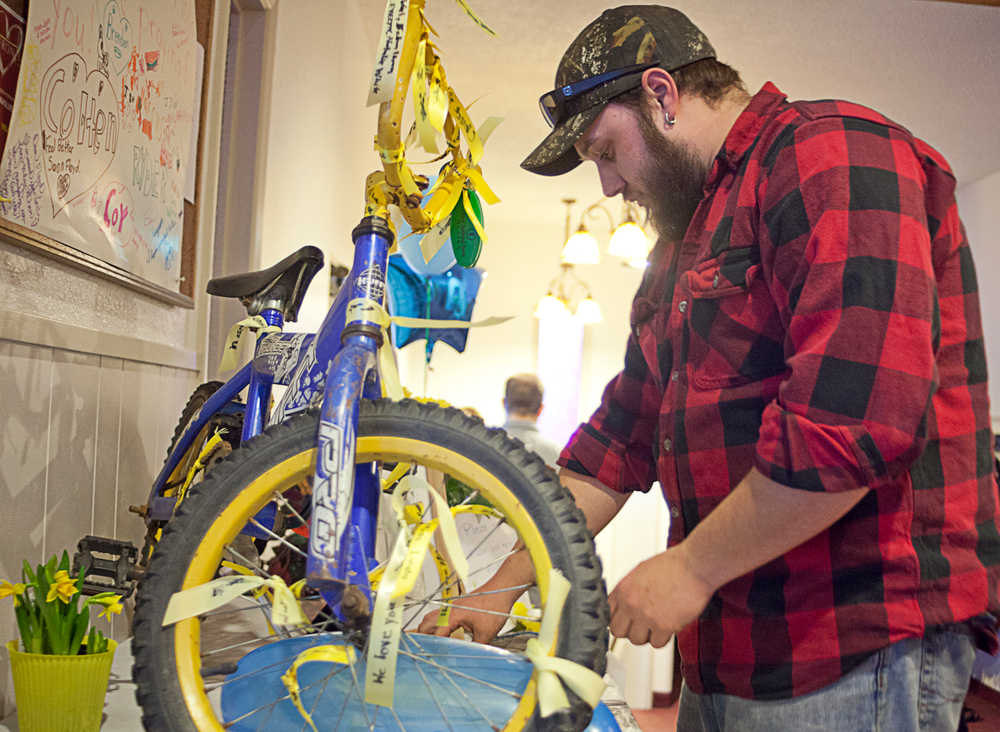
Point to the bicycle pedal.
(107, 565)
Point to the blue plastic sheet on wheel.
(333, 694)
(603, 720)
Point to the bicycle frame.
(336, 367)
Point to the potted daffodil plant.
(62, 668)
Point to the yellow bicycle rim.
(288, 472)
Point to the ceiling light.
(629, 242)
(581, 248)
(588, 311)
(551, 306)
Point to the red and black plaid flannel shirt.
(820, 322)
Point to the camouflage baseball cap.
(623, 37)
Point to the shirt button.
(674, 375)
(675, 512)
(715, 281)
(667, 444)
(683, 306)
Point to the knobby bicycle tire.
(168, 666)
(233, 424)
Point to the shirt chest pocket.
(732, 333)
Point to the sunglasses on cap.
(562, 103)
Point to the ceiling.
(932, 66)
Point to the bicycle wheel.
(185, 671)
(232, 426)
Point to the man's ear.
(660, 90)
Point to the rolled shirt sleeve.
(846, 248)
(615, 444)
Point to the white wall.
(980, 212)
(319, 143)
(319, 151)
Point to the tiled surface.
(25, 379)
(81, 437)
(72, 441)
(142, 448)
(109, 387)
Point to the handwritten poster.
(11, 43)
(100, 131)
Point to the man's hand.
(657, 598)
(480, 615)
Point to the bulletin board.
(100, 135)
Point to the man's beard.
(672, 179)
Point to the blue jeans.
(915, 684)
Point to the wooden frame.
(184, 296)
(22, 236)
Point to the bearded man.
(805, 378)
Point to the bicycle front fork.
(345, 496)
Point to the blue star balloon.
(450, 295)
(439, 236)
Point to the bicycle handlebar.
(396, 184)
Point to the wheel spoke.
(453, 579)
(469, 688)
(285, 503)
(462, 675)
(458, 688)
(282, 539)
(430, 690)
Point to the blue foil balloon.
(447, 296)
(409, 244)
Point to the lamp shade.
(551, 306)
(588, 311)
(581, 248)
(629, 242)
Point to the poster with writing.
(11, 44)
(99, 136)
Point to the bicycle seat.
(281, 286)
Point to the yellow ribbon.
(461, 117)
(553, 672)
(471, 213)
(328, 654)
(254, 324)
(437, 101)
(475, 18)
(396, 579)
(206, 451)
(433, 323)
(385, 630)
(397, 159)
(362, 309)
(389, 51)
(421, 113)
(199, 600)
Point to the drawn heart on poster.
(117, 35)
(11, 38)
(79, 122)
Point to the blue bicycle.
(275, 598)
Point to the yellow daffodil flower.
(6, 588)
(112, 605)
(62, 587)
